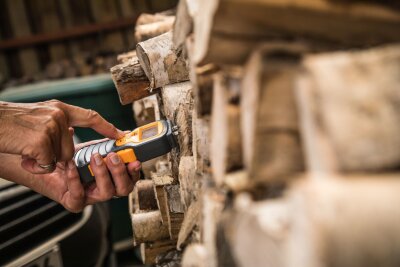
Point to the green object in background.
(92, 92)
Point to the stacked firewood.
(289, 144)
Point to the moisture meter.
(144, 143)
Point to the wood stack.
(289, 135)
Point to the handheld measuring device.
(144, 143)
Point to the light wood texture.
(189, 185)
(147, 227)
(348, 103)
(162, 64)
(329, 221)
(218, 28)
(147, 31)
(131, 81)
(201, 143)
(191, 219)
(175, 211)
(226, 137)
(124, 57)
(271, 142)
(195, 255)
(177, 105)
(150, 251)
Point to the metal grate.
(28, 219)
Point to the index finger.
(81, 117)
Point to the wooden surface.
(351, 110)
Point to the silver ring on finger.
(49, 167)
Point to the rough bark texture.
(131, 81)
(161, 62)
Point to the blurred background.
(64, 49)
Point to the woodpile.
(289, 138)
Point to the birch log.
(147, 31)
(147, 227)
(161, 62)
(130, 81)
(350, 23)
(349, 106)
(328, 221)
(271, 142)
(226, 140)
(177, 105)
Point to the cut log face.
(161, 62)
(144, 190)
(271, 140)
(195, 256)
(201, 143)
(349, 106)
(191, 219)
(130, 81)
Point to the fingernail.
(98, 159)
(115, 159)
(71, 165)
(136, 165)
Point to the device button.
(81, 158)
(127, 155)
(89, 153)
(102, 148)
(96, 148)
(109, 145)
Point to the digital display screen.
(150, 132)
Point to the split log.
(147, 227)
(150, 30)
(150, 251)
(177, 105)
(183, 25)
(212, 206)
(201, 143)
(189, 185)
(271, 142)
(195, 256)
(169, 203)
(191, 219)
(226, 140)
(161, 62)
(159, 182)
(175, 211)
(349, 108)
(218, 29)
(130, 81)
(336, 221)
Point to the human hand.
(40, 132)
(64, 185)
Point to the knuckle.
(93, 115)
(54, 102)
(57, 114)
